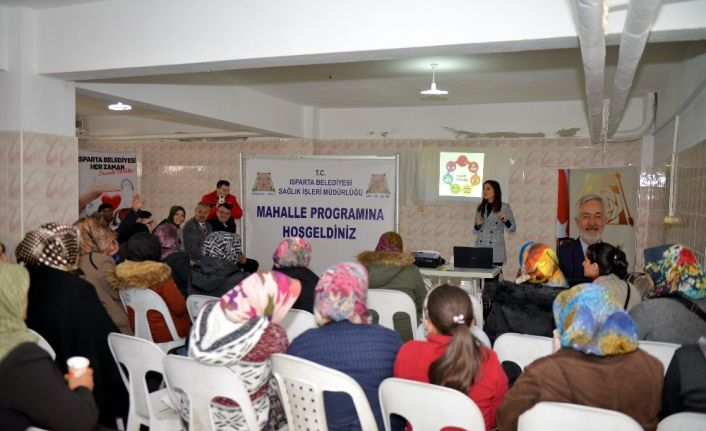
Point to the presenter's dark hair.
(610, 259)
(229, 207)
(222, 183)
(497, 203)
(449, 309)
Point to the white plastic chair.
(194, 304)
(685, 421)
(302, 384)
(387, 302)
(143, 300)
(140, 356)
(522, 349)
(44, 344)
(200, 384)
(662, 351)
(428, 407)
(573, 417)
(296, 322)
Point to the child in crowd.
(452, 356)
(607, 266)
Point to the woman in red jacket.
(451, 356)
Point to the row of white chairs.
(302, 384)
(523, 349)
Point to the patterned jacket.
(492, 232)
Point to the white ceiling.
(44, 4)
(528, 76)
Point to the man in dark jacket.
(590, 219)
(223, 220)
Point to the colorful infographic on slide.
(461, 174)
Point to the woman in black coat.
(292, 258)
(66, 311)
(33, 391)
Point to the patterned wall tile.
(180, 172)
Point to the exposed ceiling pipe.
(592, 41)
(638, 22)
(649, 108)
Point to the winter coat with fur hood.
(396, 271)
(156, 276)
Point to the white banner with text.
(340, 204)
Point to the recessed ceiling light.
(119, 107)
(433, 91)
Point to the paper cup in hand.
(77, 365)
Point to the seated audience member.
(3, 256)
(217, 271)
(452, 356)
(96, 249)
(590, 219)
(241, 332)
(176, 217)
(674, 310)
(222, 221)
(598, 365)
(525, 306)
(105, 213)
(195, 231)
(178, 261)
(347, 343)
(685, 381)
(390, 268)
(607, 266)
(33, 391)
(66, 311)
(143, 270)
(292, 258)
(222, 196)
(135, 221)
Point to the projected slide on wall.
(461, 174)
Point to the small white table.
(466, 273)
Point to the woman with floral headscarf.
(33, 391)
(526, 305)
(347, 343)
(292, 257)
(67, 312)
(218, 270)
(390, 268)
(97, 244)
(241, 332)
(598, 363)
(675, 308)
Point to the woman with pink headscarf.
(292, 257)
(345, 341)
(241, 332)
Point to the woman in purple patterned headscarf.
(346, 340)
(292, 258)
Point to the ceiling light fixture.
(119, 107)
(433, 91)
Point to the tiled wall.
(180, 172)
(690, 200)
(38, 182)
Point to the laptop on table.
(473, 258)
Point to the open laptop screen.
(473, 257)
